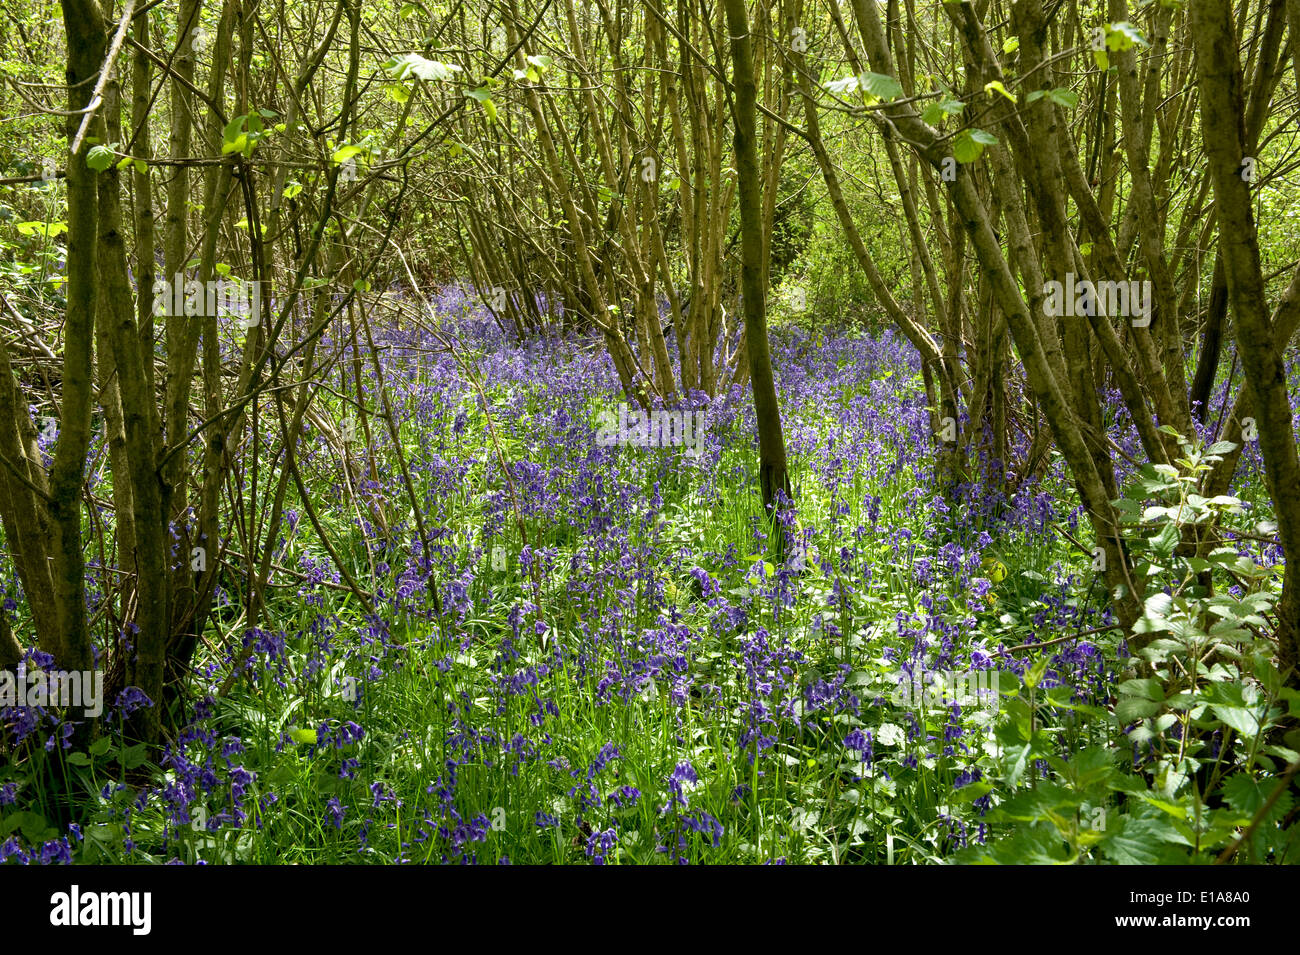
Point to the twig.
(97, 94)
(1067, 637)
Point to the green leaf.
(1247, 796)
(1091, 767)
(482, 96)
(1010, 44)
(1172, 809)
(1068, 99)
(1139, 699)
(1123, 36)
(33, 826)
(972, 791)
(133, 756)
(1036, 845)
(47, 229)
(344, 153)
(1130, 709)
(968, 146)
(1165, 542)
(935, 113)
(413, 65)
(995, 86)
(889, 734)
(234, 128)
(1243, 793)
(99, 158)
(1136, 841)
(1239, 718)
(1018, 767)
(880, 86)
(1048, 801)
(1148, 687)
(1034, 674)
(873, 84)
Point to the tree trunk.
(1260, 348)
(772, 469)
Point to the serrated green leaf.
(413, 65)
(1133, 841)
(344, 153)
(1239, 718)
(1065, 98)
(99, 158)
(969, 145)
(880, 86)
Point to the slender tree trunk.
(772, 469)
(86, 47)
(1258, 344)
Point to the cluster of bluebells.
(612, 599)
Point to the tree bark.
(772, 468)
(1258, 344)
